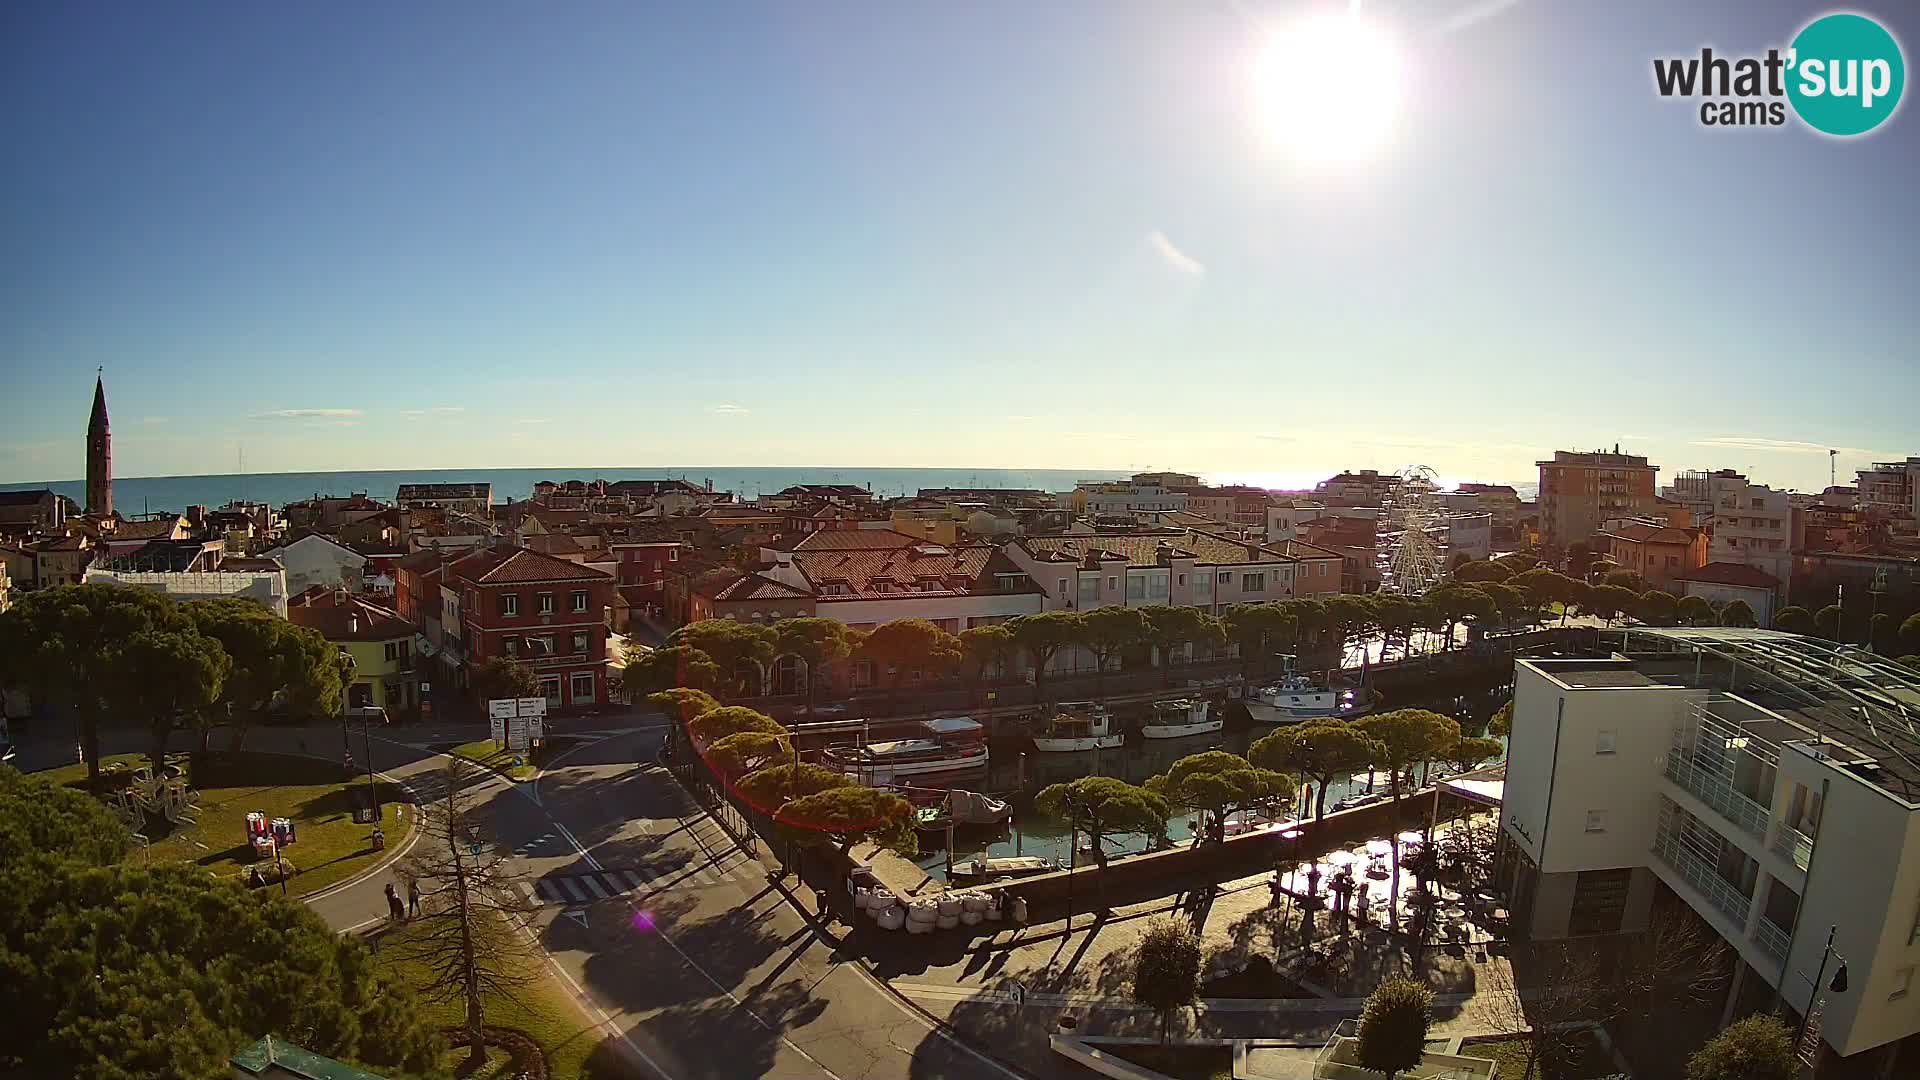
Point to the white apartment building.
(1771, 782)
(1753, 526)
(268, 588)
(1185, 569)
(1891, 490)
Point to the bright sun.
(1329, 88)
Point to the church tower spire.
(99, 453)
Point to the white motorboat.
(1080, 725)
(1012, 866)
(1298, 697)
(952, 744)
(1173, 719)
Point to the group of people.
(401, 912)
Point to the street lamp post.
(1838, 985)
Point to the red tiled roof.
(346, 618)
(555, 544)
(855, 540)
(1300, 549)
(510, 566)
(871, 572)
(1726, 573)
(749, 587)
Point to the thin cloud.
(1772, 446)
(1178, 261)
(1474, 13)
(307, 414)
(524, 420)
(434, 411)
(729, 410)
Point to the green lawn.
(329, 847)
(484, 752)
(543, 1012)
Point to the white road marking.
(599, 891)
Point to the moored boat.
(952, 744)
(1180, 717)
(1012, 866)
(1080, 725)
(1298, 697)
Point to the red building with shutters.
(547, 614)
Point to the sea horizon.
(134, 495)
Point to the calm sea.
(137, 494)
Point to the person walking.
(395, 909)
(413, 898)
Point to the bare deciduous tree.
(467, 936)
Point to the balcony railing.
(1792, 844)
(1714, 790)
(1731, 901)
(1772, 940)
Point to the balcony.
(1772, 940)
(1793, 845)
(1719, 793)
(1719, 892)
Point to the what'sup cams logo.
(1842, 76)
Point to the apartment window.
(1113, 583)
(1180, 579)
(1060, 587)
(511, 646)
(1226, 576)
(578, 601)
(1157, 586)
(673, 554)
(1320, 570)
(1603, 742)
(582, 687)
(540, 646)
(550, 689)
(1203, 587)
(1596, 821)
(1253, 583)
(543, 603)
(580, 641)
(1136, 587)
(1902, 982)
(509, 604)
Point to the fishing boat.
(951, 744)
(1297, 697)
(1012, 866)
(1173, 719)
(1080, 725)
(962, 809)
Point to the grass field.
(329, 846)
(543, 1012)
(484, 752)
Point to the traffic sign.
(501, 708)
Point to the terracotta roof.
(745, 586)
(1654, 534)
(339, 617)
(555, 544)
(922, 570)
(1726, 573)
(1300, 549)
(147, 530)
(70, 542)
(508, 566)
(855, 540)
(1142, 549)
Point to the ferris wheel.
(1407, 552)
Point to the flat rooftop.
(1839, 694)
(1594, 674)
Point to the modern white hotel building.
(1772, 782)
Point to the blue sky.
(997, 234)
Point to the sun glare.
(1329, 88)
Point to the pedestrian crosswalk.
(573, 889)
